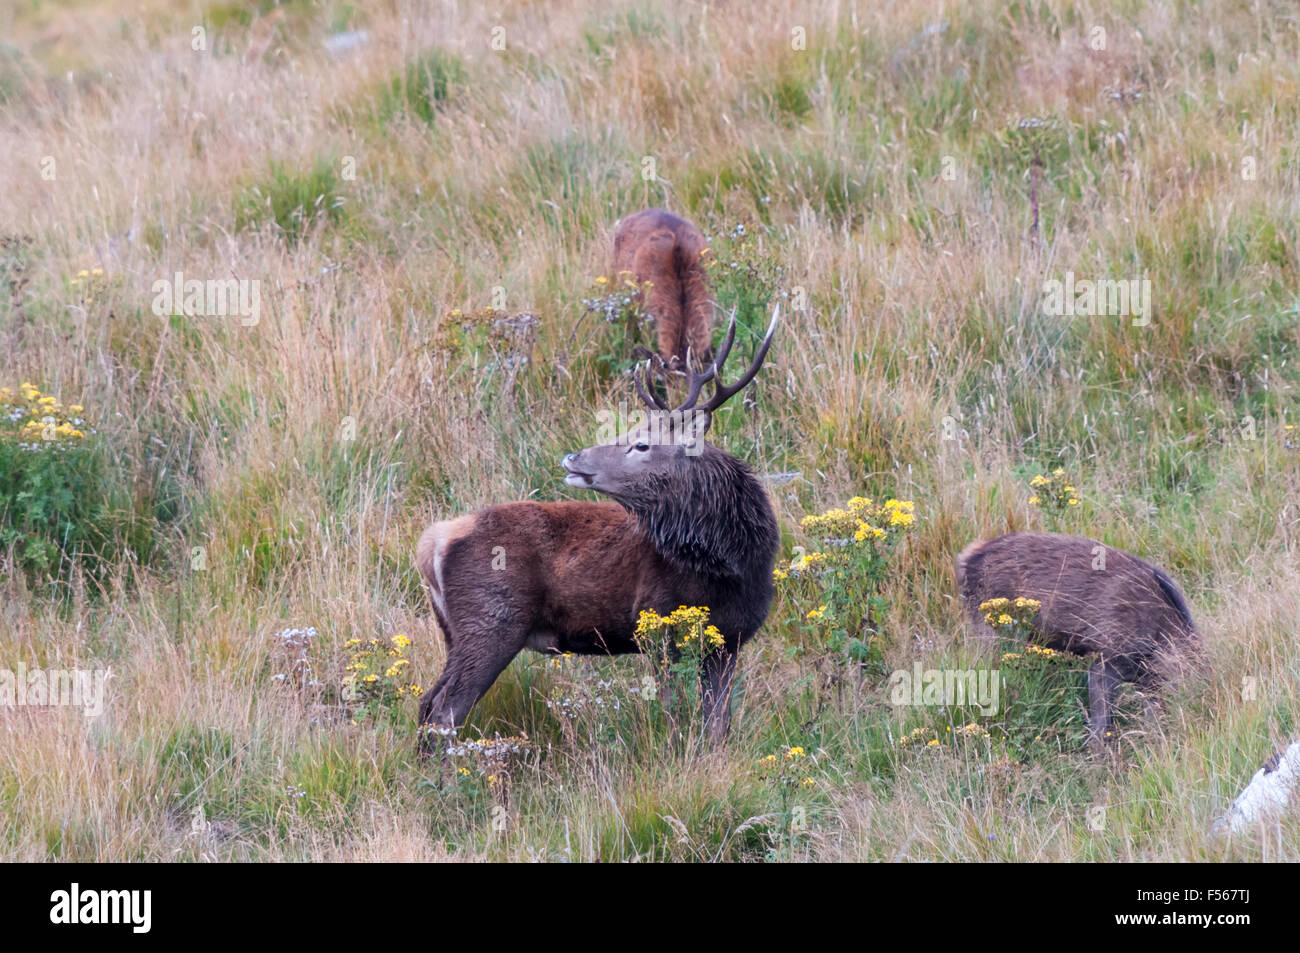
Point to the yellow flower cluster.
(561, 660)
(918, 736)
(1054, 491)
(1006, 613)
(861, 520)
(464, 332)
(39, 420)
(787, 769)
(814, 561)
(689, 623)
(87, 276)
(375, 670)
(924, 737)
(624, 279)
(1039, 653)
(833, 524)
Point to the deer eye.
(642, 447)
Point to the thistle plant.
(584, 700)
(1035, 142)
(580, 688)
(484, 343)
(494, 759)
(622, 326)
(618, 301)
(745, 275)
(291, 650)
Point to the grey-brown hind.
(1096, 600)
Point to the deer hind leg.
(1103, 682)
(474, 662)
(717, 673)
(1152, 687)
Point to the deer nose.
(567, 462)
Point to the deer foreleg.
(717, 672)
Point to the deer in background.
(1095, 601)
(690, 525)
(665, 250)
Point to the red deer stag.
(665, 250)
(1095, 601)
(690, 525)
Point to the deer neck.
(710, 516)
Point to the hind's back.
(666, 250)
(1094, 598)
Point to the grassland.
(243, 479)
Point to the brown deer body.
(1096, 600)
(666, 250)
(690, 525)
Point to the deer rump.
(1130, 614)
(665, 249)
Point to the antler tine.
(647, 391)
(720, 358)
(724, 392)
(697, 381)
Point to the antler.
(724, 392)
(696, 379)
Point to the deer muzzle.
(576, 477)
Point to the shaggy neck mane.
(707, 516)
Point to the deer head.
(636, 467)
